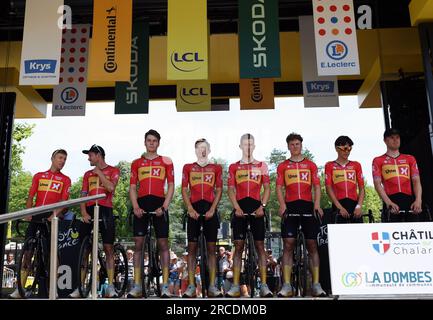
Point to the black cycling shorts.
(239, 225)
(310, 225)
(210, 226)
(349, 205)
(151, 203)
(404, 201)
(106, 225)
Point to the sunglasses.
(97, 148)
(345, 149)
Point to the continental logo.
(343, 176)
(254, 176)
(256, 95)
(49, 185)
(157, 172)
(291, 176)
(110, 64)
(393, 171)
(193, 95)
(197, 178)
(186, 62)
(94, 183)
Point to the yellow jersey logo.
(393, 171)
(254, 175)
(291, 176)
(156, 172)
(343, 176)
(49, 185)
(196, 178)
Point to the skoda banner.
(42, 41)
(259, 39)
(187, 40)
(193, 96)
(110, 55)
(133, 97)
(256, 93)
(69, 97)
(381, 258)
(318, 91)
(335, 34)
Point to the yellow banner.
(393, 171)
(257, 93)
(156, 172)
(193, 96)
(187, 40)
(110, 51)
(196, 178)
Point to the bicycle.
(406, 214)
(120, 279)
(34, 262)
(338, 215)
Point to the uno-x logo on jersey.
(49, 185)
(196, 178)
(392, 171)
(291, 176)
(157, 172)
(253, 175)
(95, 183)
(343, 176)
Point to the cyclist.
(49, 187)
(343, 179)
(393, 175)
(204, 182)
(150, 172)
(245, 180)
(102, 179)
(299, 177)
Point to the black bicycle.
(34, 262)
(85, 257)
(352, 219)
(407, 215)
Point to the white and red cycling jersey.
(344, 180)
(202, 181)
(248, 179)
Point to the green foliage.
(21, 132)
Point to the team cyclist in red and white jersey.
(150, 172)
(203, 181)
(394, 174)
(343, 179)
(299, 177)
(245, 180)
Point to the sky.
(122, 136)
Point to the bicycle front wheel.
(85, 267)
(203, 265)
(251, 265)
(120, 269)
(28, 268)
(302, 265)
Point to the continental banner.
(335, 34)
(133, 97)
(69, 97)
(318, 91)
(110, 54)
(193, 96)
(257, 93)
(187, 40)
(42, 41)
(259, 39)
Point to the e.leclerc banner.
(335, 34)
(133, 97)
(110, 54)
(256, 93)
(187, 40)
(42, 41)
(193, 96)
(259, 40)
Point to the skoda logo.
(69, 95)
(337, 50)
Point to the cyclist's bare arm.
(361, 196)
(133, 197)
(335, 201)
(381, 191)
(191, 212)
(211, 212)
(265, 199)
(282, 203)
(29, 204)
(417, 190)
(168, 197)
(231, 191)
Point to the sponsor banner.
(257, 93)
(69, 97)
(259, 39)
(42, 41)
(335, 34)
(318, 91)
(187, 40)
(193, 96)
(388, 258)
(110, 55)
(220, 104)
(133, 97)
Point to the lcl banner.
(318, 91)
(133, 97)
(42, 41)
(257, 93)
(69, 97)
(193, 96)
(187, 40)
(110, 54)
(259, 39)
(335, 34)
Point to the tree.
(21, 132)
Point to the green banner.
(133, 97)
(259, 39)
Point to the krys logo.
(320, 86)
(337, 50)
(380, 242)
(40, 66)
(193, 95)
(351, 279)
(186, 62)
(69, 95)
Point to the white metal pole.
(95, 252)
(53, 258)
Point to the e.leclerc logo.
(69, 95)
(337, 50)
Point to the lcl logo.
(189, 95)
(188, 57)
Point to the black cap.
(96, 149)
(390, 132)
